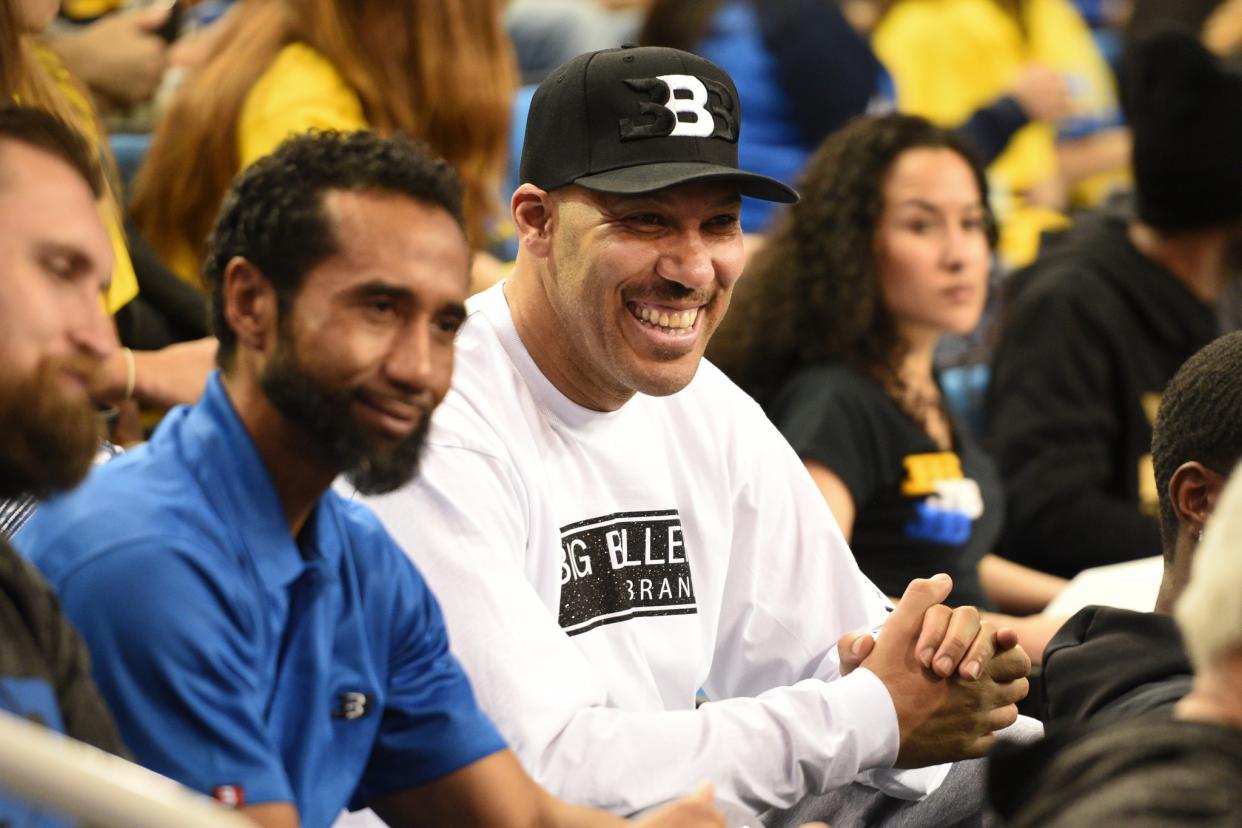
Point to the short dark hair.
(42, 130)
(1199, 419)
(273, 214)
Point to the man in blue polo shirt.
(258, 637)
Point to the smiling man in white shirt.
(613, 525)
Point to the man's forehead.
(344, 204)
(24, 165)
(351, 219)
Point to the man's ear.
(250, 306)
(1193, 491)
(532, 218)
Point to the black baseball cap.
(638, 119)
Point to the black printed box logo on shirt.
(622, 566)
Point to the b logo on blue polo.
(681, 106)
(351, 705)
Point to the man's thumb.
(853, 649)
(705, 793)
(919, 597)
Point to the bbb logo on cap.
(590, 119)
(681, 105)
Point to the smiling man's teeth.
(661, 319)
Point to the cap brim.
(647, 178)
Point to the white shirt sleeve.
(794, 589)
(464, 522)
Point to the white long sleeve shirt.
(597, 569)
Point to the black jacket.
(1094, 332)
(1109, 663)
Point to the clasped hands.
(953, 678)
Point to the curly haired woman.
(833, 332)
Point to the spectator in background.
(441, 72)
(1098, 325)
(546, 33)
(33, 75)
(55, 260)
(800, 69)
(1108, 663)
(833, 331)
(149, 308)
(119, 55)
(1148, 771)
(273, 647)
(803, 71)
(948, 57)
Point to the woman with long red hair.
(439, 72)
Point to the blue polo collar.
(235, 480)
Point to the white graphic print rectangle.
(622, 566)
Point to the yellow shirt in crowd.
(950, 57)
(124, 283)
(299, 91)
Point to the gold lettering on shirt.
(924, 471)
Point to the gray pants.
(959, 802)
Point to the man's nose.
(688, 262)
(92, 330)
(409, 362)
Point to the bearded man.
(258, 637)
(56, 262)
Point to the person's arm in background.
(118, 56)
(1015, 588)
(1104, 150)
(1039, 94)
(174, 375)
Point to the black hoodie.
(1095, 331)
(1107, 663)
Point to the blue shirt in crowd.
(241, 662)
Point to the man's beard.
(47, 436)
(336, 438)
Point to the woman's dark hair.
(811, 295)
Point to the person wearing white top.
(612, 525)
